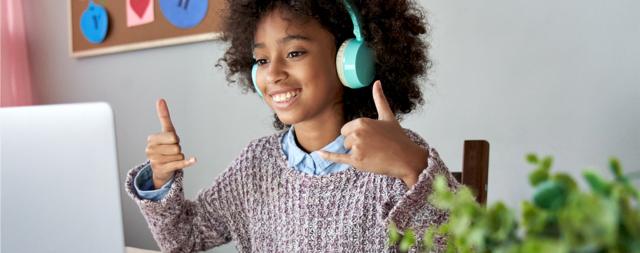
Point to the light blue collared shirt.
(144, 185)
(311, 164)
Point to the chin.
(288, 119)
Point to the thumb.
(163, 116)
(382, 106)
(335, 157)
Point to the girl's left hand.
(381, 146)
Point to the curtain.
(15, 80)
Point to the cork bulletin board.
(121, 36)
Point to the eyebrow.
(285, 40)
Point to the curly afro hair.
(394, 29)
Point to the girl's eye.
(261, 61)
(292, 54)
(295, 54)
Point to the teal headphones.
(354, 60)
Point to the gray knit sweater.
(266, 206)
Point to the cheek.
(323, 74)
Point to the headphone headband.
(354, 19)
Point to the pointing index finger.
(335, 157)
(163, 116)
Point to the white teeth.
(283, 97)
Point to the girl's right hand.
(163, 149)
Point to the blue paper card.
(94, 23)
(184, 14)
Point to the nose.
(275, 71)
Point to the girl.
(339, 170)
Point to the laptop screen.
(59, 184)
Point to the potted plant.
(559, 218)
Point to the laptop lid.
(59, 184)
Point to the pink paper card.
(139, 12)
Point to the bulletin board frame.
(121, 38)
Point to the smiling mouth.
(285, 96)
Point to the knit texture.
(266, 206)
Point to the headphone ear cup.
(340, 63)
(355, 64)
(254, 78)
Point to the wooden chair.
(475, 168)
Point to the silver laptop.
(59, 184)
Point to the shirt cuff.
(144, 185)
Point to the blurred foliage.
(559, 218)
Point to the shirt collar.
(295, 155)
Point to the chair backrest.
(475, 168)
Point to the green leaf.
(536, 245)
(589, 221)
(444, 199)
(408, 240)
(428, 238)
(541, 174)
(597, 184)
(501, 222)
(616, 169)
(546, 163)
(440, 184)
(538, 176)
(566, 181)
(532, 158)
(465, 195)
(534, 219)
(550, 195)
(394, 236)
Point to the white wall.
(553, 77)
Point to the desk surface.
(136, 250)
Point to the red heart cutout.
(139, 6)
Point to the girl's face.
(297, 69)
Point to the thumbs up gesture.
(381, 146)
(163, 149)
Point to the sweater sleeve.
(411, 210)
(182, 225)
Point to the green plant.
(559, 218)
